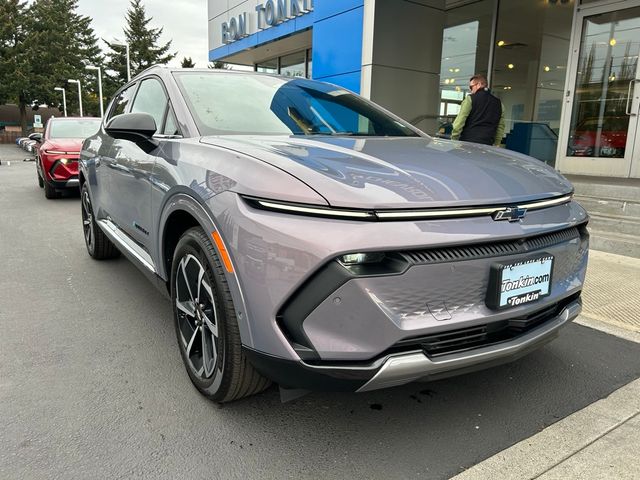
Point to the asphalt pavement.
(92, 384)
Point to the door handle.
(629, 98)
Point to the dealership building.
(566, 71)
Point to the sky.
(184, 22)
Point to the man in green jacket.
(481, 116)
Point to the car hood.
(410, 172)
(65, 144)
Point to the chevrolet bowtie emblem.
(513, 214)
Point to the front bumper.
(290, 314)
(61, 171)
(60, 184)
(400, 368)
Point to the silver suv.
(309, 237)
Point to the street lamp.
(64, 98)
(79, 93)
(91, 67)
(126, 45)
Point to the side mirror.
(36, 136)
(135, 127)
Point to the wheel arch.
(182, 212)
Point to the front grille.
(460, 340)
(487, 250)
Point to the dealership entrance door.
(601, 128)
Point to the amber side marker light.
(223, 251)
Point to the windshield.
(229, 103)
(81, 128)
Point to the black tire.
(231, 376)
(98, 244)
(49, 191)
(40, 181)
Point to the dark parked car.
(57, 155)
(307, 236)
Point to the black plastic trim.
(482, 335)
(496, 249)
(312, 293)
(294, 374)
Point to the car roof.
(64, 119)
(162, 70)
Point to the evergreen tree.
(187, 63)
(15, 67)
(218, 65)
(144, 50)
(52, 43)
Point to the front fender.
(182, 201)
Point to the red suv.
(57, 156)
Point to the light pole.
(79, 93)
(126, 45)
(91, 67)
(64, 98)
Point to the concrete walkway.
(601, 441)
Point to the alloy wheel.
(197, 317)
(87, 219)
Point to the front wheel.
(206, 324)
(49, 191)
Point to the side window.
(171, 124)
(151, 99)
(122, 100)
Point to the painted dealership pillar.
(402, 44)
(337, 42)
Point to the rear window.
(81, 128)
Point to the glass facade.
(607, 66)
(293, 65)
(270, 66)
(525, 62)
(296, 64)
(466, 41)
(530, 60)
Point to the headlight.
(360, 258)
(373, 263)
(60, 152)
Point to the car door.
(132, 167)
(105, 165)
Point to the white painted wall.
(401, 67)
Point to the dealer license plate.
(518, 283)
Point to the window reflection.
(296, 64)
(270, 66)
(465, 51)
(530, 60)
(293, 65)
(607, 64)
